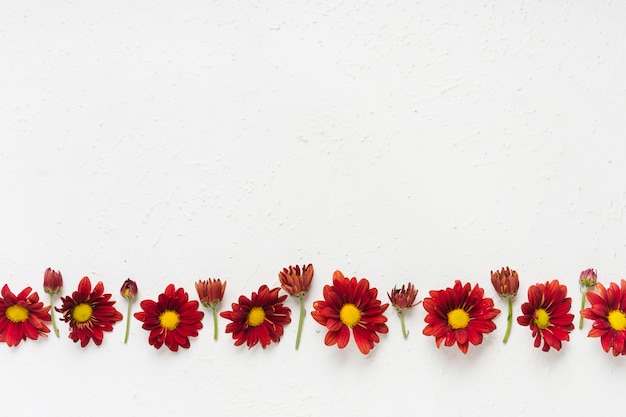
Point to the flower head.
(608, 307)
(171, 320)
(588, 278)
(129, 289)
(211, 292)
(22, 316)
(547, 314)
(404, 298)
(295, 281)
(89, 313)
(258, 319)
(459, 315)
(351, 305)
(52, 281)
(505, 282)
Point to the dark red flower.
(459, 315)
(89, 313)
(258, 319)
(52, 281)
(171, 320)
(351, 305)
(22, 316)
(129, 289)
(547, 314)
(607, 311)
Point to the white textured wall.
(427, 142)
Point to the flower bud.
(52, 281)
(506, 282)
(129, 289)
(588, 278)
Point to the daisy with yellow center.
(547, 314)
(459, 315)
(350, 306)
(608, 312)
(259, 319)
(171, 320)
(22, 316)
(89, 313)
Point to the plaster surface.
(405, 141)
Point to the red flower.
(295, 281)
(89, 313)
(459, 315)
(22, 316)
(258, 319)
(547, 314)
(172, 320)
(351, 305)
(211, 292)
(607, 310)
(129, 289)
(52, 281)
(403, 299)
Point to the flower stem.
(582, 307)
(214, 323)
(509, 321)
(300, 321)
(404, 332)
(127, 322)
(54, 323)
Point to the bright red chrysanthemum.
(22, 316)
(259, 318)
(171, 320)
(547, 314)
(459, 315)
(89, 313)
(608, 307)
(351, 305)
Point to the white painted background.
(426, 142)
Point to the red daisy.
(172, 320)
(459, 315)
(351, 305)
(89, 313)
(608, 307)
(259, 318)
(547, 314)
(22, 316)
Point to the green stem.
(54, 323)
(404, 332)
(582, 307)
(214, 323)
(300, 321)
(509, 321)
(127, 322)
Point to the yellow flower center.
(458, 318)
(349, 315)
(169, 319)
(542, 318)
(17, 314)
(256, 316)
(617, 320)
(82, 313)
